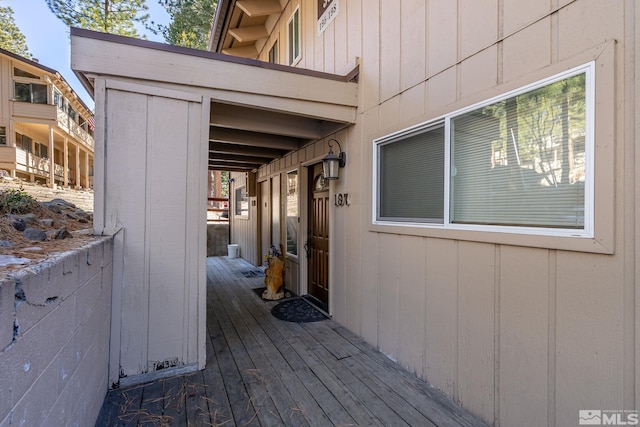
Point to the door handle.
(307, 248)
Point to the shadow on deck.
(264, 371)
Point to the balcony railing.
(66, 123)
(217, 209)
(30, 163)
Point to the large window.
(30, 92)
(3, 135)
(522, 162)
(292, 212)
(294, 37)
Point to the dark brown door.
(318, 234)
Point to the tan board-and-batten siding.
(520, 329)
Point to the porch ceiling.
(258, 112)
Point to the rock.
(53, 208)
(11, 260)
(47, 222)
(29, 218)
(63, 233)
(19, 224)
(63, 203)
(5, 244)
(34, 234)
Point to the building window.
(24, 142)
(292, 212)
(58, 99)
(242, 202)
(522, 162)
(411, 176)
(274, 56)
(30, 92)
(17, 72)
(41, 150)
(3, 135)
(294, 37)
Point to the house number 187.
(341, 199)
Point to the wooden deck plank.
(263, 371)
(197, 403)
(174, 400)
(110, 410)
(401, 407)
(251, 379)
(242, 404)
(152, 405)
(130, 405)
(305, 345)
(287, 408)
(255, 312)
(433, 403)
(219, 406)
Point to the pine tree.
(191, 22)
(108, 16)
(11, 38)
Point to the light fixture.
(331, 163)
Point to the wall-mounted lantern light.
(331, 163)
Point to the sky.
(48, 37)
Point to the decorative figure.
(274, 275)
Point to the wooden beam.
(249, 34)
(221, 147)
(253, 139)
(263, 121)
(259, 7)
(234, 158)
(230, 168)
(243, 52)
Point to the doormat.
(297, 310)
(254, 272)
(315, 301)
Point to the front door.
(318, 234)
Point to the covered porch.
(264, 371)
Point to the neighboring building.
(46, 131)
(483, 232)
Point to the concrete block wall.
(217, 239)
(55, 321)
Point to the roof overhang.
(259, 111)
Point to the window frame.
(31, 91)
(286, 216)
(237, 210)
(274, 52)
(3, 135)
(587, 232)
(294, 40)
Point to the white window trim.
(288, 254)
(294, 61)
(589, 230)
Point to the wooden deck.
(262, 371)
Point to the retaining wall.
(54, 339)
